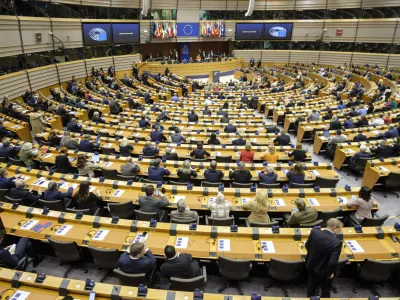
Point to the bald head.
(334, 225)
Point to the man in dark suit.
(7, 150)
(157, 173)
(212, 174)
(143, 123)
(20, 192)
(73, 126)
(272, 128)
(157, 135)
(150, 203)
(239, 142)
(230, 128)
(283, 139)
(4, 132)
(86, 145)
(179, 265)
(360, 137)
(193, 117)
(240, 175)
(335, 124)
(199, 153)
(383, 150)
(6, 183)
(323, 251)
(138, 260)
(52, 193)
(169, 155)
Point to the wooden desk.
(202, 243)
(198, 198)
(376, 169)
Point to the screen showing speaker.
(96, 34)
(249, 31)
(125, 33)
(278, 31)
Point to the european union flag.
(188, 29)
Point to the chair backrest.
(180, 221)
(57, 205)
(148, 157)
(4, 160)
(110, 174)
(210, 184)
(266, 225)
(12, 200)
(327, 214)
(177, 183)
(188, 285)
(374, 221)
(326, 182)
(145, 216)
(123, 177)
(302, 185)
(88, 131)
(130, 279)
(22, 264)
(392, 180)
(221, 221)
(105, 258)
(122, 210)
(107, 150)
(85, 211)
(268, 185)
(241, 185)
(17, 162)
(312, 224)
(227, 159)
(234, 269)
(200, 160)
(285, 270)
(3, 194)
(104, 134)
(361, 163)
(149, 181)
(377, 270)
(67, 252)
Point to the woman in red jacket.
(247, 155)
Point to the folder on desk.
(39, 227)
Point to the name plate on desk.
(354, 246)
(100, 235)
(279, 202)
(118, 193)
(267, 246)
(63, 230)
(315, 172)
(224, 245)
(313, 201)
(29, 224)
(182, 242)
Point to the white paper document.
(100, 235)
(383, 169)
(217, 153)
(342, 200)
(211, 200)
(66, 185)
(20, 295)
(91, 189)
(245, 200)
(181, 242)
(41, 182)
(313, 201)
(354, 246)
(63, 230)
(180, 197)
(108, 164)
(139, 238)
(279, 202)
(314, 172)
(267, 247)
(285, 171)
(224, 245)
(29, 224)
(47, 155)
(118, 193)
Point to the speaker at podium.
(215, 76)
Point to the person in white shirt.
(378, 121)
(208, 101)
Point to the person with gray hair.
(302, 214)
(125, 148)
(27, 153)
(6, 150)
(96, 117)
(170, 155)
(323, 252)
(183, 212)
(268, 176)
(230, 128)
(130, 168)
(220, 208)
(20, 192)
(52, 193)
(240, 175)
(283, 139)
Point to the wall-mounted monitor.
(96, 34)
(164, 29)
(249, 31)
(125, 33)
(212, 28)
(278, 31)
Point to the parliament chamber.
(199, 149)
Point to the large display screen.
(212, 28)
(249, 31)
(124, 33)
(95, 34)
(278, 31)
(164, 29)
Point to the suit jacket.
(171, 156)
(129, 169)
(282, 140)
(86, 146)
(150, 151)
(230, 129)
(268, 178)
(143, 264)
(383, 152)
(335, 125)
(199, 153)
(7, 183)
(240, 176)
(239, 142)
(63, 164)
(157, 174)
(144, 123)
(27, 197)
(211, 175)
(152, 204)
(74, 127)
(323, 252)
(56, 195)
(193, 117)
(180, 266)
(360, 138)
(8, 151)
(308, 215)
(157, 136)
